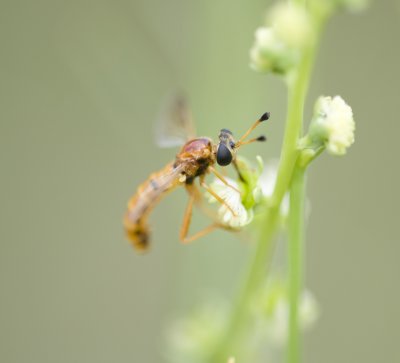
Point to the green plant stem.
(296, 262)
(237, 324)
(298, 82)
(292, 175)
(256, 276)
(298, 85)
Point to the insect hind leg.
(187, 218)
(200, 234)
(194, 198)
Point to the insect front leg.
(222, 178)
(216, 196)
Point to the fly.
(195, 160)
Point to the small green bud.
(306, 156)
(270, 54)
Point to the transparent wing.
(164, 178)
(175, 124)
(150, 192)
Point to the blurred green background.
(81, 83)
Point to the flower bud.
(270, 54)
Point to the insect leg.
(194, 197)
(216, 196)
(201, 233)
(187, 217)
(222, 178)
(199, 201)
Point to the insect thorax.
(195, 157)
(199, 146)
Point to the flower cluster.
(229, 193)
(242, 197)
(332, 125)
(277, 45)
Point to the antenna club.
(265, 116)
(262, 138)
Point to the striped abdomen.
(142, 203)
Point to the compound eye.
(224, 155)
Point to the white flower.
(291, 24)
(333, 124)
(276, 47)
(232, 198)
